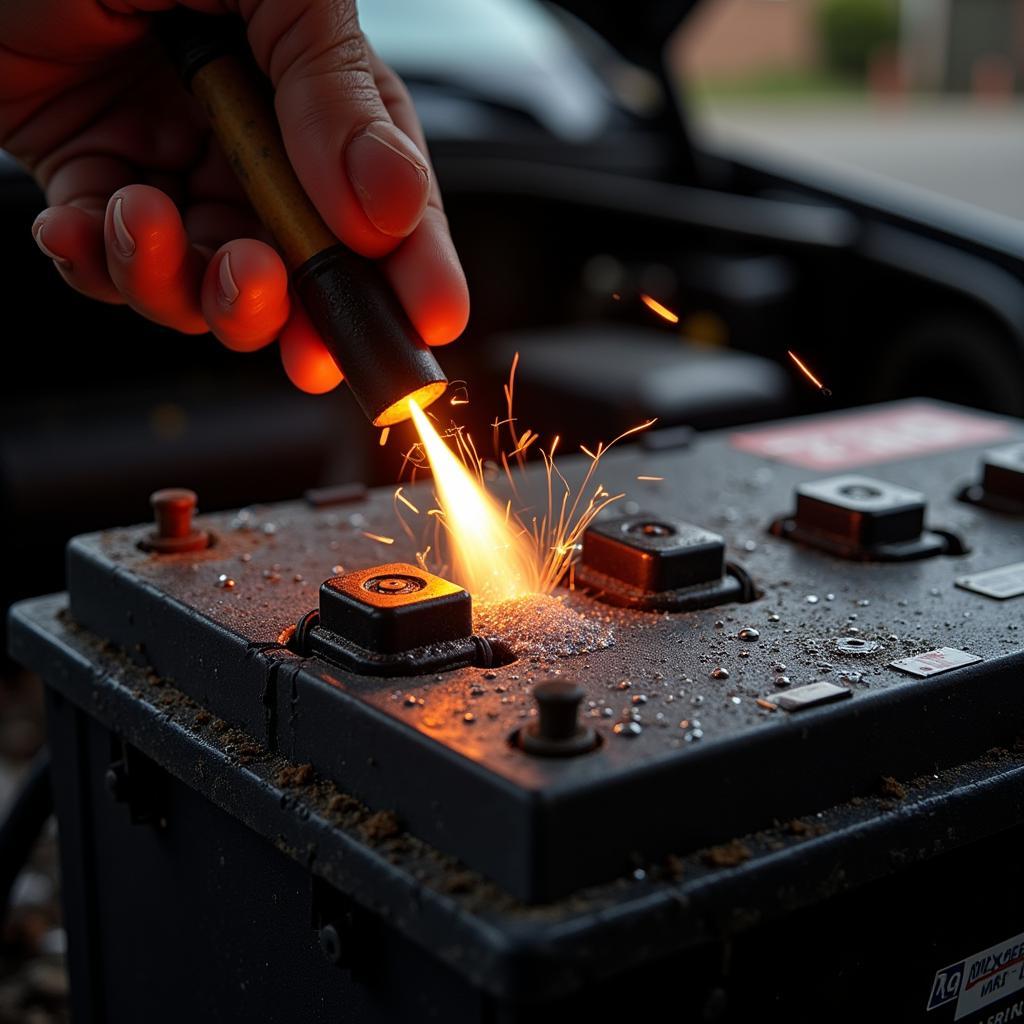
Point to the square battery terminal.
(864, 518)
(648, 561)
(392, 608)
(397, 617)
(1002, 480)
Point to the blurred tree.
(854, 31)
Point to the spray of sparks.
(503, 549)
(802, 367)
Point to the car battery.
(763, 759)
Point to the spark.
(460, 393)
(663, 311)
(501, 547)
(802, 366)
(650, 478)
(399, 496)
(384, 436)
(377, 537)
(527, 439)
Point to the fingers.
(150, 259)
(306, 361)
(402, 111)
(367, 177)
(427, 276)
(245, 295)
(73, 238)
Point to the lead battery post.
(657, 562)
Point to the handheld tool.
(351, 304)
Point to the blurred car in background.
(587, 158)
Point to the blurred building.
(972, 46)
(739, 38)
(958, 46)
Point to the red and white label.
(931, 663)
(864, 438)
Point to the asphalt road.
(969, 152)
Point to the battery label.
(1005, 582)
(864, 438)
(982, 979)
(931, 663)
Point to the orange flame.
(663, 311)
(497, 551)
(490, 556)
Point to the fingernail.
(123, 241)
(226, 286)
(389, 175)
(37, 234)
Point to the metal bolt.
(652, 529)
(556, 731)
(173, 508)
(860, 492)
(395, 584)
(558, 703)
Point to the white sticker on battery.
(810, 696)
(981, 979)
(1002, 583)
(931, 663)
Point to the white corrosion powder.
(541, 625)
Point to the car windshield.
(514, 53)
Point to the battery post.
(659, 562)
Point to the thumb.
(367, 178)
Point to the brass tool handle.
(347, 297)
(249, 135)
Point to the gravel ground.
(33, 979)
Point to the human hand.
(144, 208)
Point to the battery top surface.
(695, 744)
